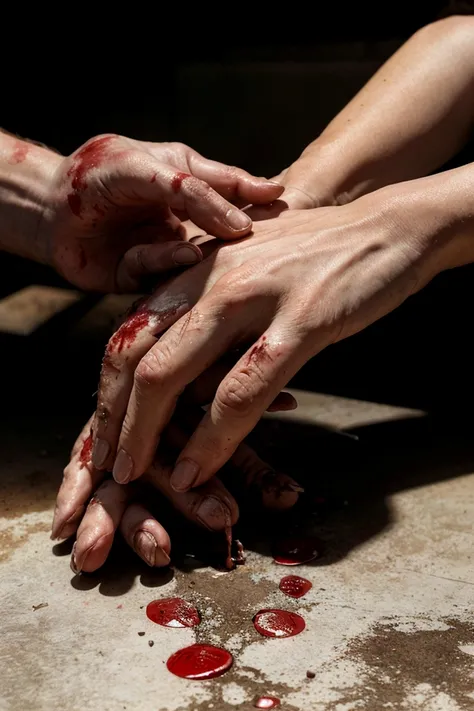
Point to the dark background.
(251, 91)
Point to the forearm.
(25, 173)
(411, 117)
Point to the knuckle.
(236, 394)
(153, 368)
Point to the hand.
(302, 282)
(96, 506)
(108, 217)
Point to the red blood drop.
(294, 586)
(126, 334)
(295, 551)
(200, 661)
(86, 451)
(177, 180)
(267, 702)
(173, 612)
(278, 623)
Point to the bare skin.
(102, 217)
(307, 278)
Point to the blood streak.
(173, 612)
(89, 156)
(295, 551)
(86, 451)
(294, 586)
(266, 702)
(200, 661)
(177, 180)
(278, 623)
(259, 351)
(125, 336)
(19, 153)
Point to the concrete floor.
(389, 617)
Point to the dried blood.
(90, 156)
(294, 586)
(20, 152)
(173, 612)
(278, 623)
(295, 551)
(200, 661)
(267, 702)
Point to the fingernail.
(145, 545)
(185, 255)
(184, 475)
(74, 567)
(123, 467)
(238, 220)
(100, 452)
(213, 514)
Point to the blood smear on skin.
(200, 661)
(278, 623)
(295, 551)
(294, 586)
(173, 612)
(267, 702)
(86, 451)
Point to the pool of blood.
(295, 551)
(200, 661)
(267, 702)
(278, 623)
(173, 612)
(294, 586)
(86, 451)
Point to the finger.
(145, 259)
(211, 506)
(187, 349)
(202, 390)
(234, 183)
(245, 468)
(80, 479)
(144, 181)
(146, 536)
(240, 401)
(96, 532)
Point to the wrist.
(435, 215)
(26, 172)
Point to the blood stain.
(266, 702)
(294, 586)
(86, 451)
(89, 156)
(177, 180)
(258, 352)
(200, 661)
(173, 612)
(295, 551)
(126, 334)
(278, 623)
(19, 153)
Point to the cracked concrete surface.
(389, 618)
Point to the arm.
(103, 218)
(410, 118)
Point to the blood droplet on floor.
(278, 623)
(295, 551)
(267, 702)
(294, 586)
(200, 661)
(173, 612)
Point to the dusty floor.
(389, 618)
